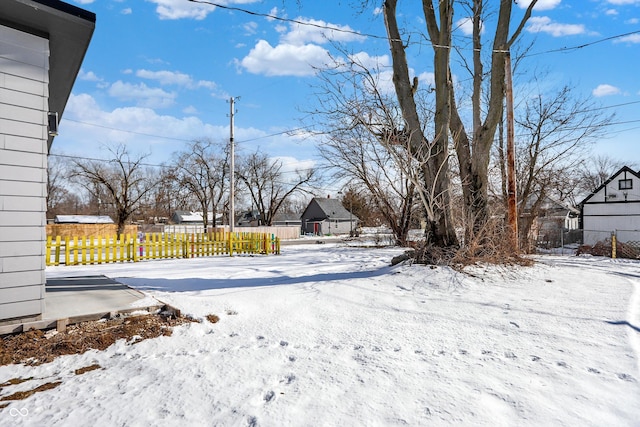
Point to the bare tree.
(472, 147)
(203, 169)
(554, 136)
(367, 147)
(268, 185)
(594, 171)
(433, 155)
(57, 184)
(122, 180)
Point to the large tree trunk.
(474, 152)
(434, 157)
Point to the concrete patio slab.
(71, 300)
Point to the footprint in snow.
(289, 379)
(626, 377)
(268, 397)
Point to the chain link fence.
(614, 244)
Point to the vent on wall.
(53, 123)
(612, 196)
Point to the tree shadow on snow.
(200, 284)
(623, 322)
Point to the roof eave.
(69, 30)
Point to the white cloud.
(466, 26)
(631, 38)
(543, 24)
(84, 1)
(142, 95)
(383, 82)
(290, 165)
(605, 90)
(129, 126)
(427, 79)
(623, 2)
(178, 79)
(370, 62)
(179, 9)
(284, 59)
(143, 130)
(190, 110)
(299, 52)
(315, 31)
(632, 21)
(127, 11)
(541, 5)
(166, 77)
(611, 12)
(250, 28)
(88, 76)
(272, 12)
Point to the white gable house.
(613, 207)
(42, 45)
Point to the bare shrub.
(488, 245)
(36, 347)
(603, 248)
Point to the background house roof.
(69, 30)
(333, 209)
(83, 219)
(611, 178)
(183, 217)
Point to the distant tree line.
(197, 178)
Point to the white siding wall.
(612, 210)
(24, 78)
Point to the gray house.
(42, 45)
(613, 207)
(327, 216)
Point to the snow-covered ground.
(329, 335)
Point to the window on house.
(625, 184)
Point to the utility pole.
(232, 167)
(512, 203)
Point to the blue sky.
(159, 73)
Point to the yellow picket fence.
(106, 249)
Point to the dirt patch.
(21, 395)
(213, 318)
(37, 347)
(89, 368)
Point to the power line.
(127, 131)
(289, 20)
(375, 36)
(582, 46)
(284, 132)
(94, 159)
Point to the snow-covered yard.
(329, 335)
